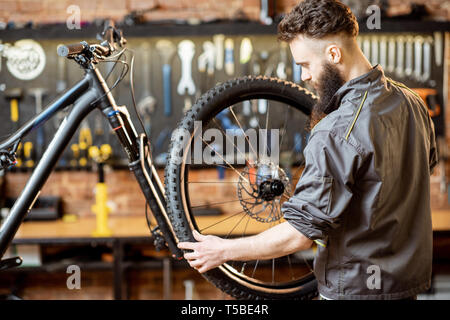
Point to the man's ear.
(333, 53)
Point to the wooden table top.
(136, 226)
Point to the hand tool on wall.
(161, 157)
(438, 44)
(186, 86)
(266, 69)
(14, 95)
(166, 50)
(245, 56)
(400, 68)
(374, 47)
(206, 66)
(409, 54)
(75, 155)
(391, 55)
(282, 63)
(229, 56)
(29, 155)
(264, 12)
(218, 40)
(418, 43)
(146, 104)
(427, 59)
(38, 94)
(383, 51)
(366, 46)
(61, 80)
(84, 143)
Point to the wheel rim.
(232, 270)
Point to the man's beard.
(329, 82)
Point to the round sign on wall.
(25, 60)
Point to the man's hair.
(317, 19)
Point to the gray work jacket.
(364, 194)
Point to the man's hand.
(211, 251)
(208, 252)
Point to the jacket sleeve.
(433, 149)
(325, 187)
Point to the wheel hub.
(270, 189)
(261, 188)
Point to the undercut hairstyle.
(318, 19)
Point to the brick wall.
(52, 11)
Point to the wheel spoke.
(243, 132)
(215, 203)
(232, 141)
(229, 233)
(234, 169)
(216, 223)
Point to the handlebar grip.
(71, 49)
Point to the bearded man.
(364, 194)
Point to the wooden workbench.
(136, 226)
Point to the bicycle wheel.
(248, 183)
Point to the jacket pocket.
(320, 265)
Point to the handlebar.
(110, 35)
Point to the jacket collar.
(361, 83)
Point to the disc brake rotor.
(262, 188)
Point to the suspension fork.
(140, 163)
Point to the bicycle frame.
(88, 94)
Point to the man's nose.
(306, 76)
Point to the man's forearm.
(280, 240)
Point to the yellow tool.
(76, 154)
(100, 208)
(19, 155)
(28, 154)
(84, 143)
(14, 95)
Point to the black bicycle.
(249, 188)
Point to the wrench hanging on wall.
(391, 55)
(438, 44)
(206, 66)
(374, 55)
(166, 50)
(418, 43)
(229, 56)
(400, 69)
(246, 51)
(409, 47)
(264, 12)
(186, 86)
(282, 64)
(218, 40)
(383, 51)
(146, 104)
(427, 59)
